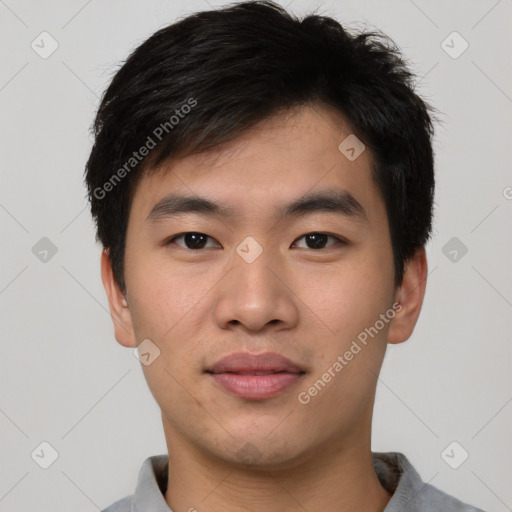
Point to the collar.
(395, 473)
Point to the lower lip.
(256, 387)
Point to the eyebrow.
(341, 202)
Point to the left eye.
(318, 240)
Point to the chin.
(262, 452)
(258, 457)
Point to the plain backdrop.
(64, 380)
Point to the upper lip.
(244, 362)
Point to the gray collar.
(410, 493)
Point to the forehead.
(287, 156)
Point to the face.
(285, 286)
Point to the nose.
(256, 296)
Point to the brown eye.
(192, 240)
(318, 240)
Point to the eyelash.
(171, 240)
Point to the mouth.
(255, 377)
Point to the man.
(263, 190)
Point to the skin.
(307, 304)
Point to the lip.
(255, 376)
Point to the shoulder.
(431, 499)
(150, 488)
(123, 505)
(409, 492)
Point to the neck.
(339, 477)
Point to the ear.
(410, 296)
(119, 309)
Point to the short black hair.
(212, 75)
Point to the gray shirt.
(410, 493)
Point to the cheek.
(349, 358)
(349, 298)
(163, 311)
(168, 309)
(161, 296)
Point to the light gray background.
(65, 380)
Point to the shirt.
(395, 472)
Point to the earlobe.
(119, 311)
(410, 296)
